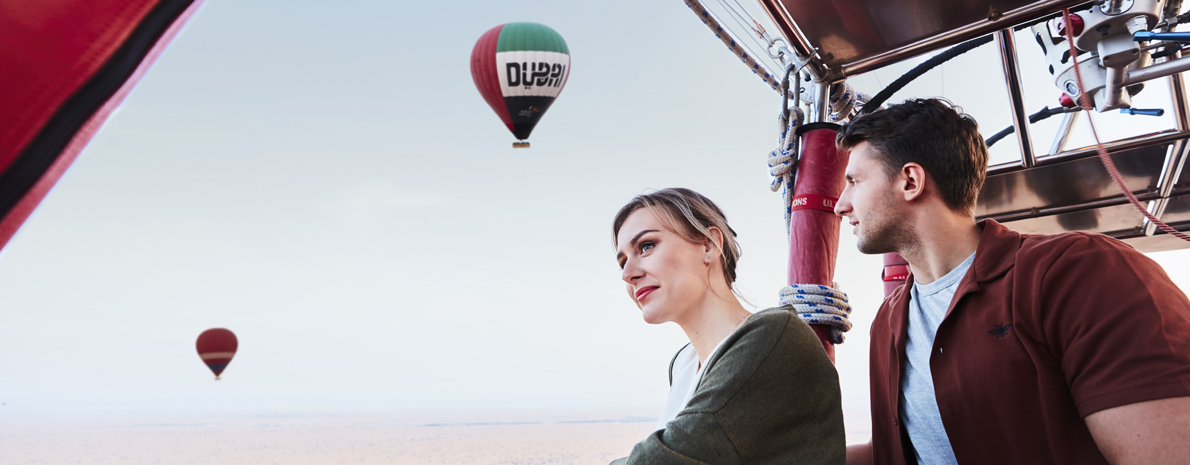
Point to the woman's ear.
(713, 244)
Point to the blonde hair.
(691, 215)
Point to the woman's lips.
(644, 292)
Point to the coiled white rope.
(820, 305)
(783, 161)
(845, 101)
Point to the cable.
(917, 71)
(1045, 112)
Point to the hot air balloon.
(520, 68)
(216, 347)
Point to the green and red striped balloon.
(520, 68)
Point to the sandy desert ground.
(299, 440)
(316, 440)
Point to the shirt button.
(939, 350)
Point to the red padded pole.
(896, 271)
(813, 225)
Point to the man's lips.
(644, 291)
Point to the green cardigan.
(768, 395)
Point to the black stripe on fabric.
(48, 144)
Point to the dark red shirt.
(1042, 331)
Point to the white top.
(686, 375)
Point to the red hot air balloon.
(520, 68)
(216, 347)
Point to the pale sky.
(325, 181)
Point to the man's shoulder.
(1046, 249)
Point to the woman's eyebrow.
(637, 237)
(632, 243)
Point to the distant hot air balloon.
(216, 347)
(519, 69)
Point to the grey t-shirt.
(919, 407)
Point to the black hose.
(1045, 112)
(917, 71)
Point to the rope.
(708, 19)
(1084, 100)
(844, 101)
(820, 305)
(783, 161)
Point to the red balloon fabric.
(216, 347)
(66, 66)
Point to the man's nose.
(843, 205)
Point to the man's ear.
(913, 177)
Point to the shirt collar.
(996, 253)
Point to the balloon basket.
(520, 145)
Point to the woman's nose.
(631, 271)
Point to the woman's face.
(665, 273)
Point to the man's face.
(871, 204)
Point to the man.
(1005, 348)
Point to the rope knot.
(819, 305)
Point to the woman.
(748, 388)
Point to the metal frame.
(801, 45)
(1016, 96)
(1003, 26)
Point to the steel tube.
(822, 104)
(1177, 93)
(1064, 132)
(1087, 152)
(1155, 71)
(1113, 92)
(1016, 98)
(1039, 212)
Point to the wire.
(737, 40)
(735, 16)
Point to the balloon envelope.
(520, 68)
(216, 347)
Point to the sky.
(325, 181)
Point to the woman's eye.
(645, 246)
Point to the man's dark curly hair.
(933, 133)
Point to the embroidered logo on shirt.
(1000, 331)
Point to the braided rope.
(1085, 101)
(844, 101)
(819, 305)
(783, 160)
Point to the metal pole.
(822, 104)
(1156, 71)
(1016, 99)
(1064, 132)
(1020, 15)
(1176, 160)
